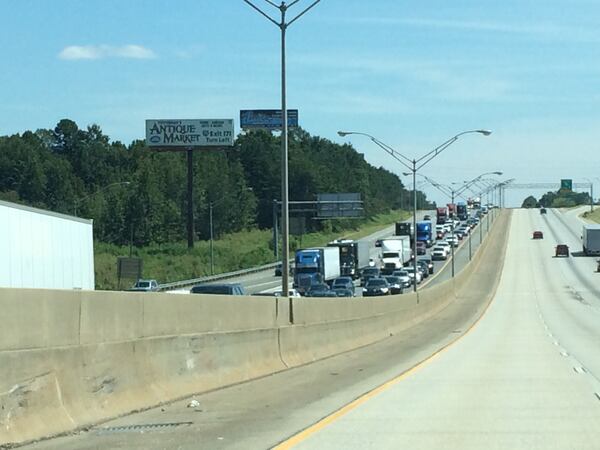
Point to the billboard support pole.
(190, 197)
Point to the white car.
(411, 274)
(439, 252)
(451, 241)
(445, 244)
(292, 292)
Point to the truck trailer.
(354, 256)
(442, 216)
(404, 229)
(590, 238)
(44, 249)
(315, 266)
(461, 211)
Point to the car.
(459, 234)
(465, 229)
(538, 235)
(219, 289)
(427, 260)
(439, 252)
(378, 242)
(395, 283)
(144, 286)
(404, 277)
(542, 210)
(320, 290)
(452, 241)
(278, 270)
(411, 273)
(291, 293)
(425, 267)
(426, 217)
(343, 283)
(375, 287)
(446, 244)
(562, 250)
(368, 273)
(421, 248)
(340, 292)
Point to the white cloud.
(76, 52)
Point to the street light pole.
(210, 225)
(285, 230)
(414, 165)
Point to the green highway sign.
(566, 185)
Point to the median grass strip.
(174, 262)
(592, 216)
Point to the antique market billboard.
(189, 133)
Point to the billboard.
(269, 119)
(189, 133)
(339, 205)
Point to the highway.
(266, 282)
(523, 375)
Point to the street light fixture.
(285, 230)
(414, 165)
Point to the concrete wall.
(69, 359)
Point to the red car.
(562, 250)
(538, 235)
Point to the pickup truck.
(144, 286)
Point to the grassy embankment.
(173, 262)
(593, 216)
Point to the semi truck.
(461, 211)
(425, 233)
(395, 252)
(43, 249)
(354, 256)
(590, 238)
(404, 229)
(315, 266)
(442, 216)
(451, 210)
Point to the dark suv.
(219, 289)
(368, 273)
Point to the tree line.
(132, 192)
(562, 198)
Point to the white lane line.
(579, 369)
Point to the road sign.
(338, 205)
(269, 119)
(566, 185)
(189, 133)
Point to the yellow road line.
(307, 432)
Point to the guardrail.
(220, 276)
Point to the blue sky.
(412, 74)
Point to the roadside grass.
(174, 262)
(592, 216)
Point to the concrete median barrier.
(70, 359)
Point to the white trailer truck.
(43, 249)
(590, 238)
(395, 252)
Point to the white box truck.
(591, 239)
(43, 249)
(395, 252)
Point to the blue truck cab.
(425, 233)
